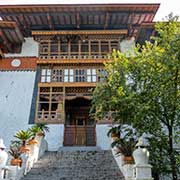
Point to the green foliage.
(143, 89)
(35, 129)
(42, 126)
(23, 135)
(126, 147)
(15, 151)
(114, 130)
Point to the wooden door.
(76, 135)
(80, 132)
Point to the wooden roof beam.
(5, 40)
(130, 25)
(106, 20)
(23, 21)
(1, 54)
(49, 19)
(78, 20)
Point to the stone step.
(76, 165)
(79, 148)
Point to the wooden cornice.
(78, 32)
(67, 84)
(72, 61)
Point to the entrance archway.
(79, 127)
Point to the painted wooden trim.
(70, 61)
(67, 84)
(78, 32)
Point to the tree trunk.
(171, 155)
(156, 176)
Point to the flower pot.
(115, 136)
(25, 149)
(16, 162)
(32, 141)
(128, 160)
(40, 133)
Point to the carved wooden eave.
(78, 16)
(72, 61)
(10, 36)
(67, 84)
(80, 34)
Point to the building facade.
(51, 60)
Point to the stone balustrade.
(140, 170)
(9, 172)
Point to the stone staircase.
(77, 165)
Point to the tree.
(143, 89)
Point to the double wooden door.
(79, 135)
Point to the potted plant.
(34, 130)
(24, 136)
(114, 132)
(125, 147)
(43, 128)
(15, 152)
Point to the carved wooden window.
(44, 49)
(50, 105)
(114, 45)
(80, 75)
(46, 75)
(68, 75)
(64, 49)
(91, 75)
(54, 48)
(104, 47)
(102, 75)
(85, 47)
(76, 48)
(72, 75)
(94, 48)
(57, 75)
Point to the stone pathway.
(77, 165)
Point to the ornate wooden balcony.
(53, 117)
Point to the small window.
(46, 75)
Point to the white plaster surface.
(29, 49)
(127, 45)
(16, 90)
(102, 140)
(55, 136)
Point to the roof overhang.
(10, 36)
(145, 31)
(78, 16)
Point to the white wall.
(29, 49)
(127, 45)
(16, 90)
(55, 136)
(102, 140)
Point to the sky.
(166, 6)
